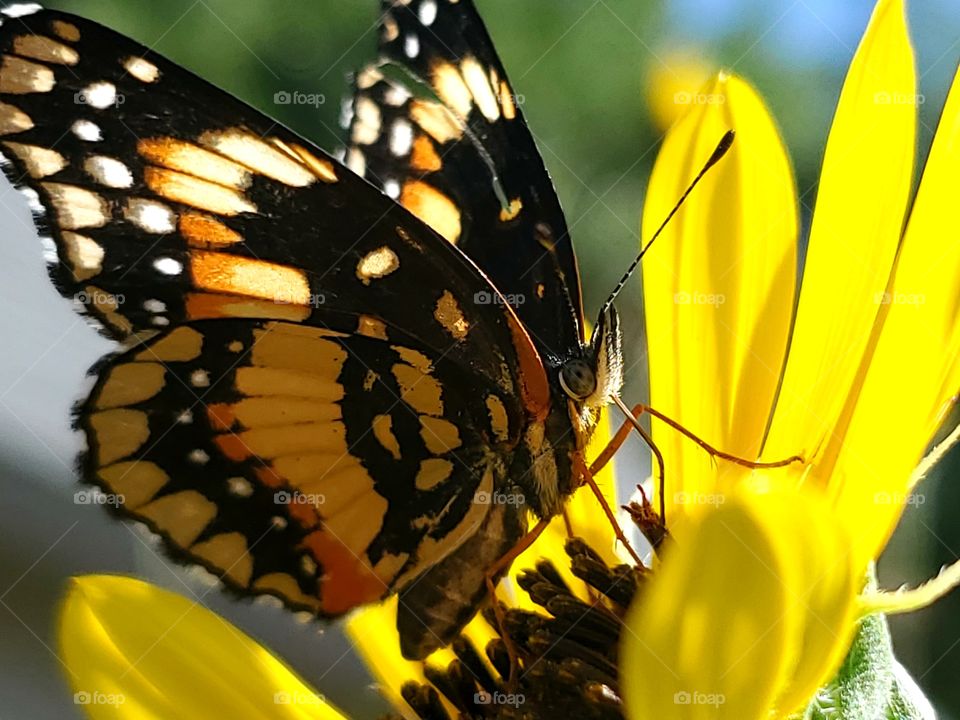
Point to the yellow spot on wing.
(450, 316)
(285, 586)
(371, 327)
(414, 357)
(137, 480)
(320, 167)
(272, 381)
(189, 190)
(335, 479)
(450, 87)
(357, 524)
(182, 516)
(39, 161)
(131, 383)
(84, 256)
(43, 48)
(228, 553)
(258, 412)
(118, 433)
(432, 472)
(193, 160)
(439, 435)
(419, 390)
(273, 442)
(204, 306)
(383, 432)
(499, 423)
(306, 353)
(506, 101)
(479, 86)
(220, 272)
(65, 30)
(377, 264)
(436, 120)
(77, 207)
(433, 207)
(19, 77)
(13, 120)
(181, 344)
(142, 69)
(256, 154)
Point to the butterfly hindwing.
(446, 137)
(322, 467)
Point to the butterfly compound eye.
(578, 379)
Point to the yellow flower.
(756, 603)
(132, 650)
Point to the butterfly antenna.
(725, 142)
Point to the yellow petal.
(864, 188)
(751, 614)
(133, 650)
(673, 85)
(719, 284)
(711, 636)
(913, 373)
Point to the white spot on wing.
(168, 266)
(366, 129)
(108, 171)
(396, 95)
(239, 486)
(428, 12)
(392, 188)
(401, 138)
(200, 457)
(200, 378)
(154, 306)
(100, 95)
(49, 248)
(21, 9)
(152, 216)
(33, 200)
(411, 46)
(142, 70)
(87, 131)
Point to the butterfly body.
(324, 392)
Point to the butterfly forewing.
(446, 137)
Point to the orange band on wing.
(347, 580)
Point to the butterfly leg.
(640, 408)
(620, 437)
(588, 478)
(492, 576)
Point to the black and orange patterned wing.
(288, 329)
(325, 468)
(437, 126)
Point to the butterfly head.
(592, 379)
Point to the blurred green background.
(583, 69)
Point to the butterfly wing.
(261, 289)
(322, 467)
(446, 137)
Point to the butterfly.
(336, 381)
